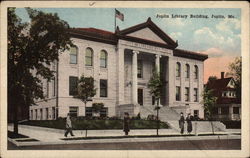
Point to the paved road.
(217, 144)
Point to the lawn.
(96, 124)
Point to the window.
(54, 87)
(187, 70)
(73, 111)
(103, 88)
(73, 81)
(103, 59)
(104, 112)
(224, 110)
(47, 95)
(36, 114)
(178, 69)
(47, 114)
(196, 72)
(186, 94)
(31, 114)
(41, 114)
(236, 110)
(196, 113)
(53, 113)
(178, 93)
(139, 69)
(88, 111)
(224, 94)
(195, 94)
(89, 57)
(153, 100)
(73, 55)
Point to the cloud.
(228, 25)
(207, 38)
(213, 52)
(176, 35)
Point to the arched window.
(178, 69)
(89, 57)
(196, 72)
(187, 70)
(103, 59)
(73, 55)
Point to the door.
(140, 96)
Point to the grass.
(95, 124)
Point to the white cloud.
(228, 25)
(209, 38)
(176, 35)
(213, 52)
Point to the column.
(157, 62)
(171, 81)
(157, 65)
(120, 72)
(134, 78)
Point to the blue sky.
(216, 37)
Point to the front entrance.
(140, 96)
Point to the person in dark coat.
(126, 123)
(68, 126)
(189, 123)
(181, 123)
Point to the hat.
(181, 112)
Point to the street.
(216, 144)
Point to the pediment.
(147, 34)
(148, 31)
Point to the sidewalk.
(50, 136)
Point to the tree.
(209, 101)
(86, 89)
(235, 71)
(155, 86)
(211, 78)
(32, 47)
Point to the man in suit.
(68, 126)
(181, 123)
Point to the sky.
(217, 36)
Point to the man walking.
(181, 123)
(68, 126)
(126, 123)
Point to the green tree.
(155, 86)
(235, 71)
(211, 78)
(209, 101)
(32, 47)
(86, 90)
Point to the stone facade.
(129, 52)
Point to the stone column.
(120, 72)
(134, 78)
(157, 65)
(157, 62)
(171, 81)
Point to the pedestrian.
(189, 123)
(68, 126)
(126, 123)
(181, 123)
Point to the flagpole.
(115, 18)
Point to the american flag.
(119, 15)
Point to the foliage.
(97, 106)
(96, 124)
(86, 89)
(155, 85)
(209, 101)
(211, 78)
(32, 47)
(236, 72)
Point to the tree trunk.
(157, 131)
